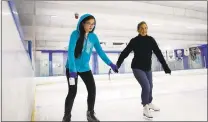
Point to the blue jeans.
(145, 80)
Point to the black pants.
(145, 80)
(88, 79)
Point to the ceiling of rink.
(173, 24)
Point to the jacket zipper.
(84, 51)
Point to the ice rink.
(39, 37)
(181, 97)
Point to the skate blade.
(147, 116)
(154, 110)
(147, 119)
(90, 120)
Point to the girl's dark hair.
(141, 23)
(80, 41)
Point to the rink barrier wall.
(95, 63)
(17, 78)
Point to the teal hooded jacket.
(81, 64)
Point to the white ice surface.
(181, 98)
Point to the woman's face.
(89, 25)
(143, 29)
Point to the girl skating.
(81, 43)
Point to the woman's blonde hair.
(141, 23)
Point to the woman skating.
(142, 46)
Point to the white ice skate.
(146, 112)
(153, 107)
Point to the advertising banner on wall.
(170, 55)
(179, 53)
(193, 52)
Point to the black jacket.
(142, 46)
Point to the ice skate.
(66, 118)
(153, 107)
(91, 116)
(147, 112)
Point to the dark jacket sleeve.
(125, 53)
(159, 55)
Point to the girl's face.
(89, 25)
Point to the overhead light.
(53, 16)
(188, 27)
(156, 24)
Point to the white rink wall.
(0, 67)
(17, 84)
(122, 77)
